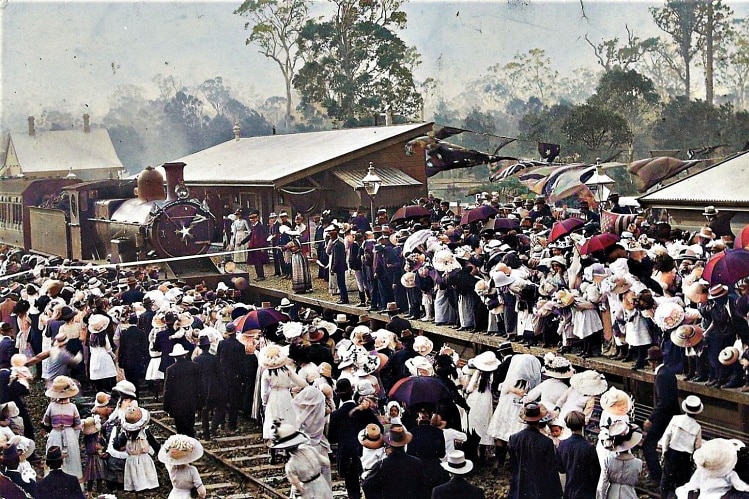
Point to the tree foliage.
(597, 131)
(531, 75)
(356, 65)
(611, 54)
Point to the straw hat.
(134, 418)
(686, 336)
(371, 437)
(178, 350)
(717, 457)
(398, 436)
(125, 387)
(729, 355)
(325, 369)
(273, 356)
(486, 361)
(180, 449)
(98, 323)
(559, 368)
(589, 383)
(61, 339)
(457, 463)
(717, 291)
(341, 319)
(564, 297)
(620, 436)
(91, 425)
(619, 285)
(616, 401)
(692, 405)
(419, 363)
(423, 345)
(102, 399)
(62, 388)
(668, 315)
(533, 412)
(285, 436)
(408, 280)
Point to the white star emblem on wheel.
(184, 232)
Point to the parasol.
(419, 390)
(727, 267)
(259, 319)
(479, 213)
(564, 227)
(598, 242)
(743, 240)
(418, 238)
(409, 212)
(498, 224)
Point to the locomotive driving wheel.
(181, 228)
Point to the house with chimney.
(86, 154)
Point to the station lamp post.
(371, 183)
(597, 184)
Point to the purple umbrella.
(419, 390)
(598, 242)
(479, 213)
(409, 212)
(502, 224)
(259, 319)
(564, 227)
(727, 267)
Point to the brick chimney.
(86, 123)
(32, 131)
(237, 129)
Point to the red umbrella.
(410, 211)
(564, 227)
(598, 242)
(419, 390)
(259, 319)
(743, 240)
(727, 267)
(479, 213)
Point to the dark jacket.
(532, 466)
(182, 387)
(211, 387)
(665, 401)
(344, 429)
(401, 477)
(231, 359)
(577, 458)
(15, 477)
(58, 485)
(133, 351)
(457, 487)
(337, 252)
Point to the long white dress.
(66, 427)
(524, 374)
(140, 471)
(306, 464)
(183, 479)
(275, 392)
(482, 407)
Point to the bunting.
(616, 222)
(549, 152)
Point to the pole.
(371, 210)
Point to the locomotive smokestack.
(32, 130)
(175, 175)
(237, 130)
(86, 123)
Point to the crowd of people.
(376, 401)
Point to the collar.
(658, 368)
(344, 402)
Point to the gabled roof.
(62, 149)
(276, 160)
(391, 177)
(721, 184)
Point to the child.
(557, 431)
(715, 475)
(682, 437)
(94, 468)
(12, 416)
(177, 453)
(138, 442)
(621, 470)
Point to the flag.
(702, 151)
(615, 222)
(440, 132)
(650, 171)
(445, 156)
(549, 152)
(509, 171)
(567, 181)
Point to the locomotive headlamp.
(181, 191)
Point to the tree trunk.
(709, 59)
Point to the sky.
(72, 55)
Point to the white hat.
(423, 345)
(589, 383)
(180, 449)
(717, 457)
(98, 323)
(415, 364)
(457, 463)
(178, 351)
(692, 405)
(286, 436)
(486, 361)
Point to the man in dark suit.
(57, 483)
(577, 458)
(10, 470)
(133, 352)
(665, 406)
(458, 466)
(182, 395)
(7, 344)
(401, 475)
(133, 293)
(336, 249)
(210, 384)
(345, 424)
(233, 370)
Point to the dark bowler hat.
(54, 454)
(343, 386)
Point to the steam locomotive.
(121, 220)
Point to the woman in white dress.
(102, 368)
(581, 395)
(523, 375)
(177, 453)
(64, 424)
(304, 469)
(275, 387)
(239, 230)
(557, 370)
(479, 399)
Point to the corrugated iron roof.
(391, 177)
(267, 160)
(723, 183)
(62, 149)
